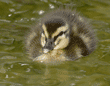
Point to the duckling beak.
(49, 45)
(46, 50)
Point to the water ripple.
(4, 20)
(7, 41)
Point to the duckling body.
(60, 35)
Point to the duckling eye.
(45, 39)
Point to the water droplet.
(28, 70)
(51, 6)
(9, 15)
(6, 76)
(12, 10)
(41, 12)
(24, 64)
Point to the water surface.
(16, 18)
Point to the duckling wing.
(83, 36)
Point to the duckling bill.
(59, 36)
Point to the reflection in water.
(54, 76)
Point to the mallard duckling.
(60, 35)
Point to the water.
(16, 18)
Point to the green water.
(16, 18)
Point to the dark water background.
(17, 16)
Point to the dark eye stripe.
(55, 38)
(45, 39)
(58, 35)
(61, 33)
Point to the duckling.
(59, 36)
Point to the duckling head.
(55, 34)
